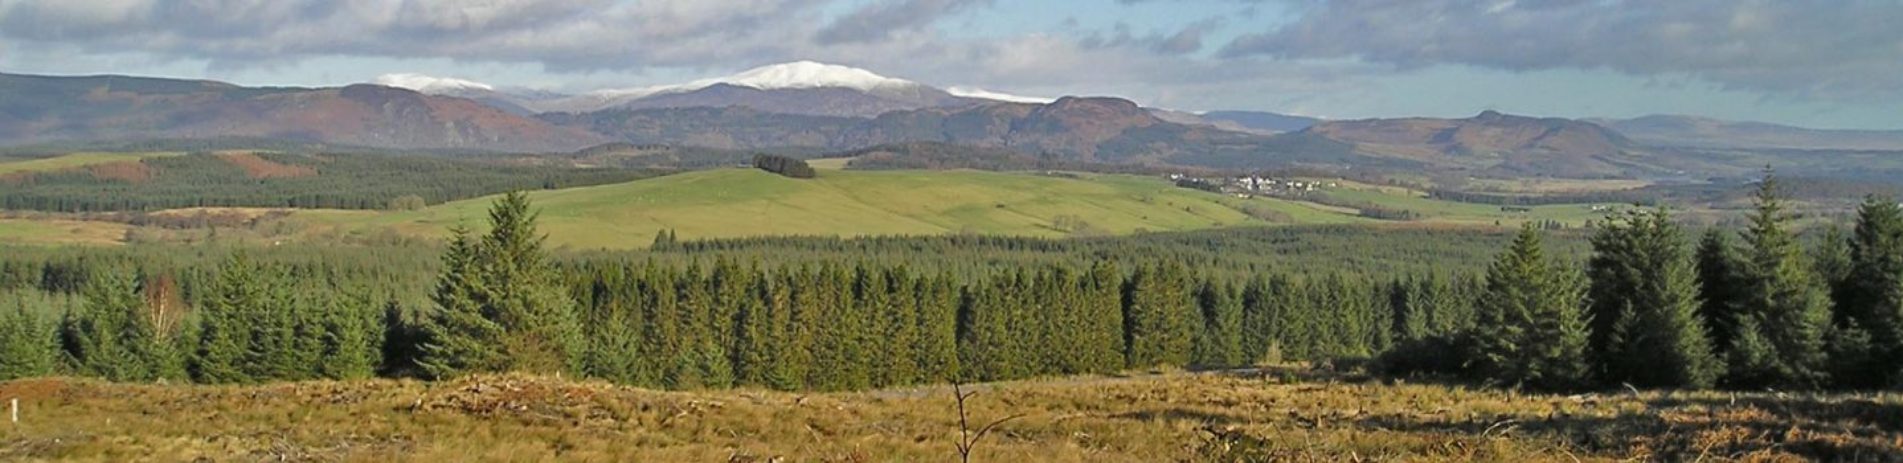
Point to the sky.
(1812, 63)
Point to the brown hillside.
(36, 109)
(1492, 141)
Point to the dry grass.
(1270, 416)
(258, 167)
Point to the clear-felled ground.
(1258, 416)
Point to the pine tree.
(1531, 329)
(938, 330)
(1159, 317)
(1871, 295)
(542, 332)
(1721, 286)
(1219, 343)
(109, 336)
(1103, 318)
(29, 346)
(463, 335)
(1783, 295)
(1642, 279)
(501, 307)
(351, 340)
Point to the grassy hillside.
(1274, 415)
(73, 160)
(746, 202)
(730, 202)
(60, 232)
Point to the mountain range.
(819, 106)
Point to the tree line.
(341, 181)
(1649, 310)
(1647, 307)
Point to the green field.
(59, 232)
(1442, 211)
(745, 202)
(729, 203)
(72, 160)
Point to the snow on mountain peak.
(979, 93)
(793, 75)
(808, 74)
(429, 84)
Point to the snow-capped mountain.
(430, 84)
(982, 94)
(799, 87)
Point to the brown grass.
(1273, 416)
(257, 167)
(125, 171)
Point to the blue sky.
(1816, 63)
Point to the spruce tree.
(1642, 278)
(542, 332)
(1531, 329)
(1219, 343)
(109, 335)
(464, 333)
(500, 304)
(1872, 293)
(1721, 286)
(1159, 317)
(29, 346)
(1784, 297)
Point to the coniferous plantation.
(1645, 307)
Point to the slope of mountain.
(1260, 120)
(1699, 132)
(1071, 128)
(35, 109)
(1494, 142)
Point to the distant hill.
(1689, 131)
(800, 87)
(40, 109)
(1106, 130)
(1494, 142)
(1259, 120)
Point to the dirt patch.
(257, 167)
(125, 171)
(33, 389)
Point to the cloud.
(1825, 48)
(879, 20)
(559, 34)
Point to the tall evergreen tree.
(1870, 298)
(1784, 297)
(463, 335)
(109, 337)
(1721, 286)
(1532, 330)
(1159, 317)
(500, 305)
(1642, 278)
(1219, 343)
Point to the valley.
(665, 231)
(734, 203)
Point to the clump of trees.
(786, 166)
(1646, 308)
(1751, 316)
